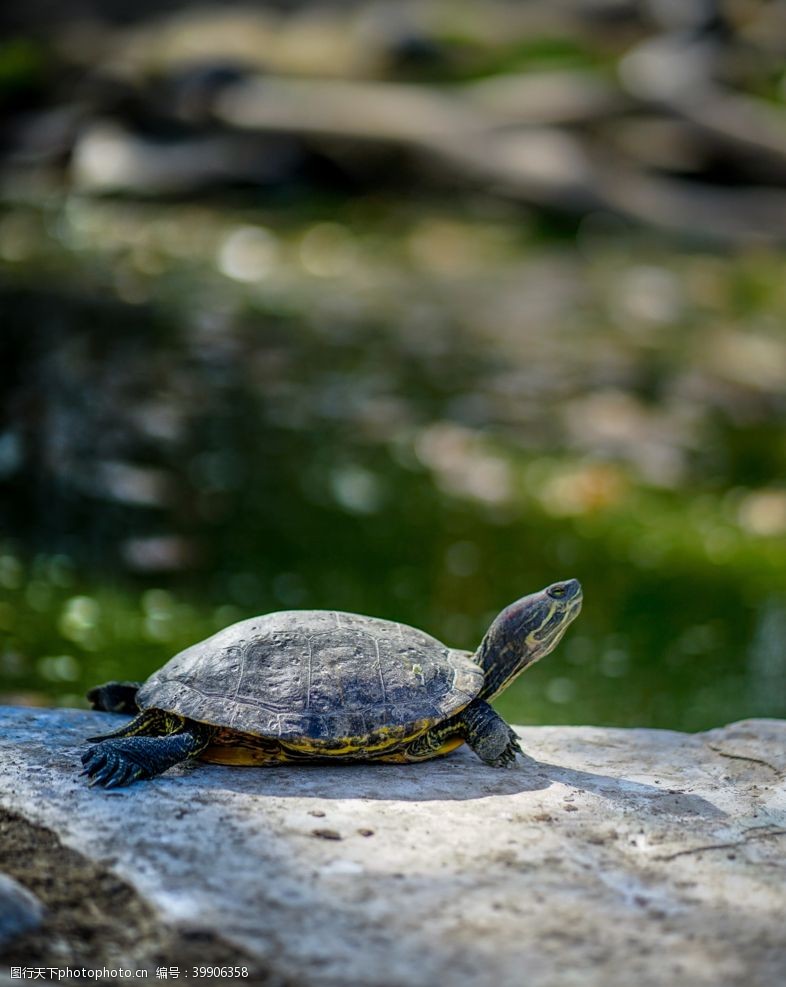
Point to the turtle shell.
(315, 678)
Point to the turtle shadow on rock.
(457, 777)
(660, 801)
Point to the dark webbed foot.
(114, 697)
(114, 763)
(489, 735)
(107, 766)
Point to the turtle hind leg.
(150, 723)
(114, 697)
(121, 761)
(478, 725)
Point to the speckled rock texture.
(607, 858)
(20, 910)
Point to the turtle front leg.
(114, 763)
(478, 725)
(114, 697)
(488, 735)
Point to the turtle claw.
(93, 760)
(507, 759)
(109, 768)
(103, 775)
(123, 774)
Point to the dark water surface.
(410, 413)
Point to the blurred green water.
(416, 412)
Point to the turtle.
(300, 685)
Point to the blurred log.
(677, 74)
(658, 142)
(367, 111)
(545, 97)
(108, 158)
(543, 165)
(695, 209)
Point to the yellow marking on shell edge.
(234, 747)
(402, 757)
(215, 754)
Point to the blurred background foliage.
(400, 308)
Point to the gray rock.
(608, 858)
(20, 910)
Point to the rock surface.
(608, 857)
(20, 910)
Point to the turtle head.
(526, 631)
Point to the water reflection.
(209, 416)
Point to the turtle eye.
(557, 591)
